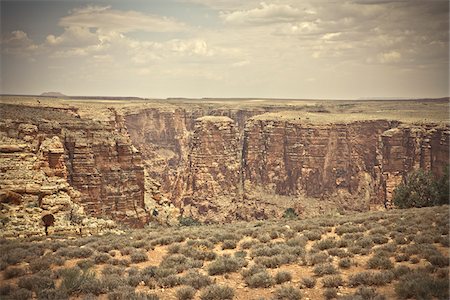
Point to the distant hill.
(52, 94)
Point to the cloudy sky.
(226, 48)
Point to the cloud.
(265, 14)
(389, 57)
(104, 18)
(18, 43)
(73, 36)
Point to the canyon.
(209, 160)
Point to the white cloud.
(265, 14)
(108, 19)
(389, 57)
(73, 36)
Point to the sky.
(313, 49)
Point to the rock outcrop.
(67, 166)
(410, 147)
(209, 162)
(213, 174)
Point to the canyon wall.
(256, 166)
(210, 163)
(59, 163)
(407, 148)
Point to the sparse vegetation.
(196, 261)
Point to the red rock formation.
(408, 148)
(294, 157)
(214, 169)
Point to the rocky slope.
(214, 163)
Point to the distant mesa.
(53, 94)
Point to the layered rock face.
(213, 174)
(61, 164)
(409, 148)
(212, 164)
(292, 158)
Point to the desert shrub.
(379, 262)
(401, 257)
(40, 264)
(198, 252)
(275, 261)
(75, 252)
(318, 258)
(73, 279)
(297, 241)
(169, 281)
(240, 254)
(6, 289)
(330, 293)
(282, 276)
(225, 264)
(364, 242)
(164, 272)
(85, 264)
(421, 286)
(188, 221)
(370, 278)
(332, 281)
(229, 244)
(35, 282)
(338, 252)
(324, 269)
(261, 279)
(309, 282)
(135, 279)
(185, 293)
(248, 244)
(138, 256)
(109, 270)
(325, 244)
(423, 239)
(379, 239)
(401, 239)
(444, 240)
(127, 250)
(264, 237)
(364, 293)
(313, 235)
(195, 279)
(252, 270)
(287, 293)
(217, 292)
(438, 260)
(20, 294)
(119, 262)
(421, 189)
(179, 262)
(101, 258)
(290, 213)
(12, 272)
(414, 260)
(348, 228)
(400, 270)
(112, 282)
(345, 263)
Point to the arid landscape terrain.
(243, 198)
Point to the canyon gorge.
(208, 160)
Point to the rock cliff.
(209, 162)
(410, 147)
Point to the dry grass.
(315, 258)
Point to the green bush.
(421, 189)
(290, 213)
